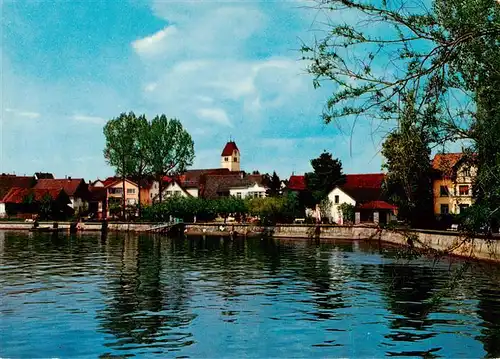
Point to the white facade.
(3, 211)
(78, 204)
(154, 191)
(253, 191)
(173, 189)
(336, 198)
(192, 191)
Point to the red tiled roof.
(366, 180)
(297, 183)
(9, 181)
(17, 195)
(70, 186)
(364, 187)
(376, 205)
(229, 148)
(110, 180)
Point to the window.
(463, 190)
(463, 207)
(130, 190)
(466, 172)
(445, 209)
(238, 194)
(226, 159)
(337, 199)
(115, 191)
(169, 193)
(443, 191)
(151, 195)
(236, 159)
(177, 193)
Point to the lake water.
(86, 296)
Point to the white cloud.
(216, 115)
(155, 43)
(26, 114)
(89, 119)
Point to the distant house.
(296, 183)
(28, 202)
(7, 182)
(364, 192)
(452, 183)
(239, 185)
(76, 189)
(114, 192)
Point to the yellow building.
(452, 185)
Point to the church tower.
(230, 157)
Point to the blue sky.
(223, 68)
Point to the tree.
(171, 148)
(327, 174)
(347, 212)
(140, 160)
(273, 184)
(120, 147)
(408, 183)
(448, 53)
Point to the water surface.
(86, 296)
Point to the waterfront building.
(76, 189)
(452, 183)
(27, 202)
(365, 193)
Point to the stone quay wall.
(451, 242)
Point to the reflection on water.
(125, 295)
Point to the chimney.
(69, 177)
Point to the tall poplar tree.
(171, 148)
(119, 150)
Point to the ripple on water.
(121, 296)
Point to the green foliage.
(120, 149)
(274, 185)
(446, 54)
(327, 174)
(137, 148)
(407, 152)
(29, 198)
(45, 207)
(346, 210)
(269, 209)
(171, 148)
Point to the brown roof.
(229, 148)
(17, 195)
(191, 178)
(97, 194)
(213, 186)
(70, 185)
(444, 162)
(9, 181)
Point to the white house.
(337, 197)
(254, 190)
(171, 190)
(364, 192)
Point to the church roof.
(229, 148)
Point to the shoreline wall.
(451, 242)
